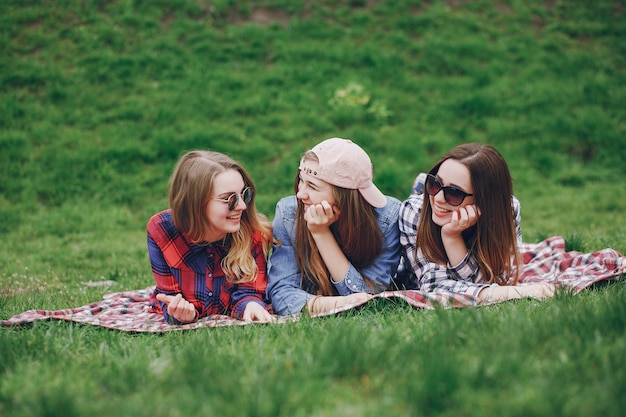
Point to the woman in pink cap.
(338, 237)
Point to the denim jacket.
(284, 278)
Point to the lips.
(441, 212)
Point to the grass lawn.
(98, 99)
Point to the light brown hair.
(190, 189)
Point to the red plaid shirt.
(195, 271)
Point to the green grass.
(98, 99)
(562, 357)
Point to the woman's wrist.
(490, 292)
(487, 293)
(320, 234)
(455, 248)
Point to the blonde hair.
(190, 189)
(357, 232)
(492, 241)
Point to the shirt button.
(349, 281)
(210, 294)
(210, 275)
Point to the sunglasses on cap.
(233, 199)
(453, 195)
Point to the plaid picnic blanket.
(575, 271)
(545, 261)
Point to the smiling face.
(221, 220)
(312, 190)
(451, 173)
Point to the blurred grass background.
(98, 99)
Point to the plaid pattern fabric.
(125, 311)
(575, 271)
(432, 277)
(544, 261)
(195, 271)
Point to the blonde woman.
(208, 251)
(338, 235)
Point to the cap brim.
(373, 196)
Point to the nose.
(301, 194)
(440, 197)
(241, 203)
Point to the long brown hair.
(356, 231)
(190, 189)
(492, 240)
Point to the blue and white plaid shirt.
(428, 276)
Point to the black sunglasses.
(233, 199)
(453, 195)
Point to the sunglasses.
(233, 199)
(453, 195)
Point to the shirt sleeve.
(407, 222)
(383, 269)
(459, 279)
(430, 276)
(284, 277)
(166, 282)
(253, 291)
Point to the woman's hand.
(255, 311)
(540, 291)
(178, 308)
(319, 217)
(462, 219)
(319, 305)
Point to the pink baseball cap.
(343, 163)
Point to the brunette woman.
(462, 234)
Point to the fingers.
(548, 290)
(320, 211)
(322, 305)
(182, 310)
(472, 214)
(465, 217)
(321, 215)
(540, 291)
(359, 297)
(174, 302)
(255, 311)
(261, 317)
(354, 298)
(163, 297)
(177, 307)
(327, 208)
